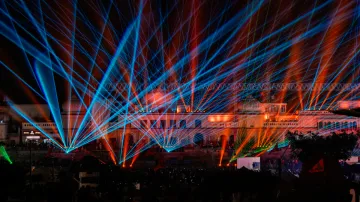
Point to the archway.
(320, 125)
(231, 140)
(199, 139)
(337, 125)
(332, 125)
(222, 139)
(328, 125)
(197, 123)
(342, 125)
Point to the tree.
(321, 178)
(335, 146)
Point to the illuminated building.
(184, 127)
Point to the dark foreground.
(62, 183)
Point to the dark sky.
(122, 14)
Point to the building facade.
(182, 126)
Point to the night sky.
(273, 15)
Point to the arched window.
(328, 125)
(222, 139)
(350, 125)
(231, 140)
(199, 139)
(182, 123)
(197, 123)
(320, 125)
(337, 125)
(346, 125)
(355, 125)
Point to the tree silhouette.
(321, 177)
(335, 146)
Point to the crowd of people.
(163, 184)
(26, 146)
(175, 184)
(185, 184)
(167, 182)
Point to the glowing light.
(220, 118)
(4, 154)
(118, 73)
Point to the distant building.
(198, 125)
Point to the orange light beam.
(223, 147)
(339, 77)
(331, 40)
(107, 146)
(194, 46)
(138, 147)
